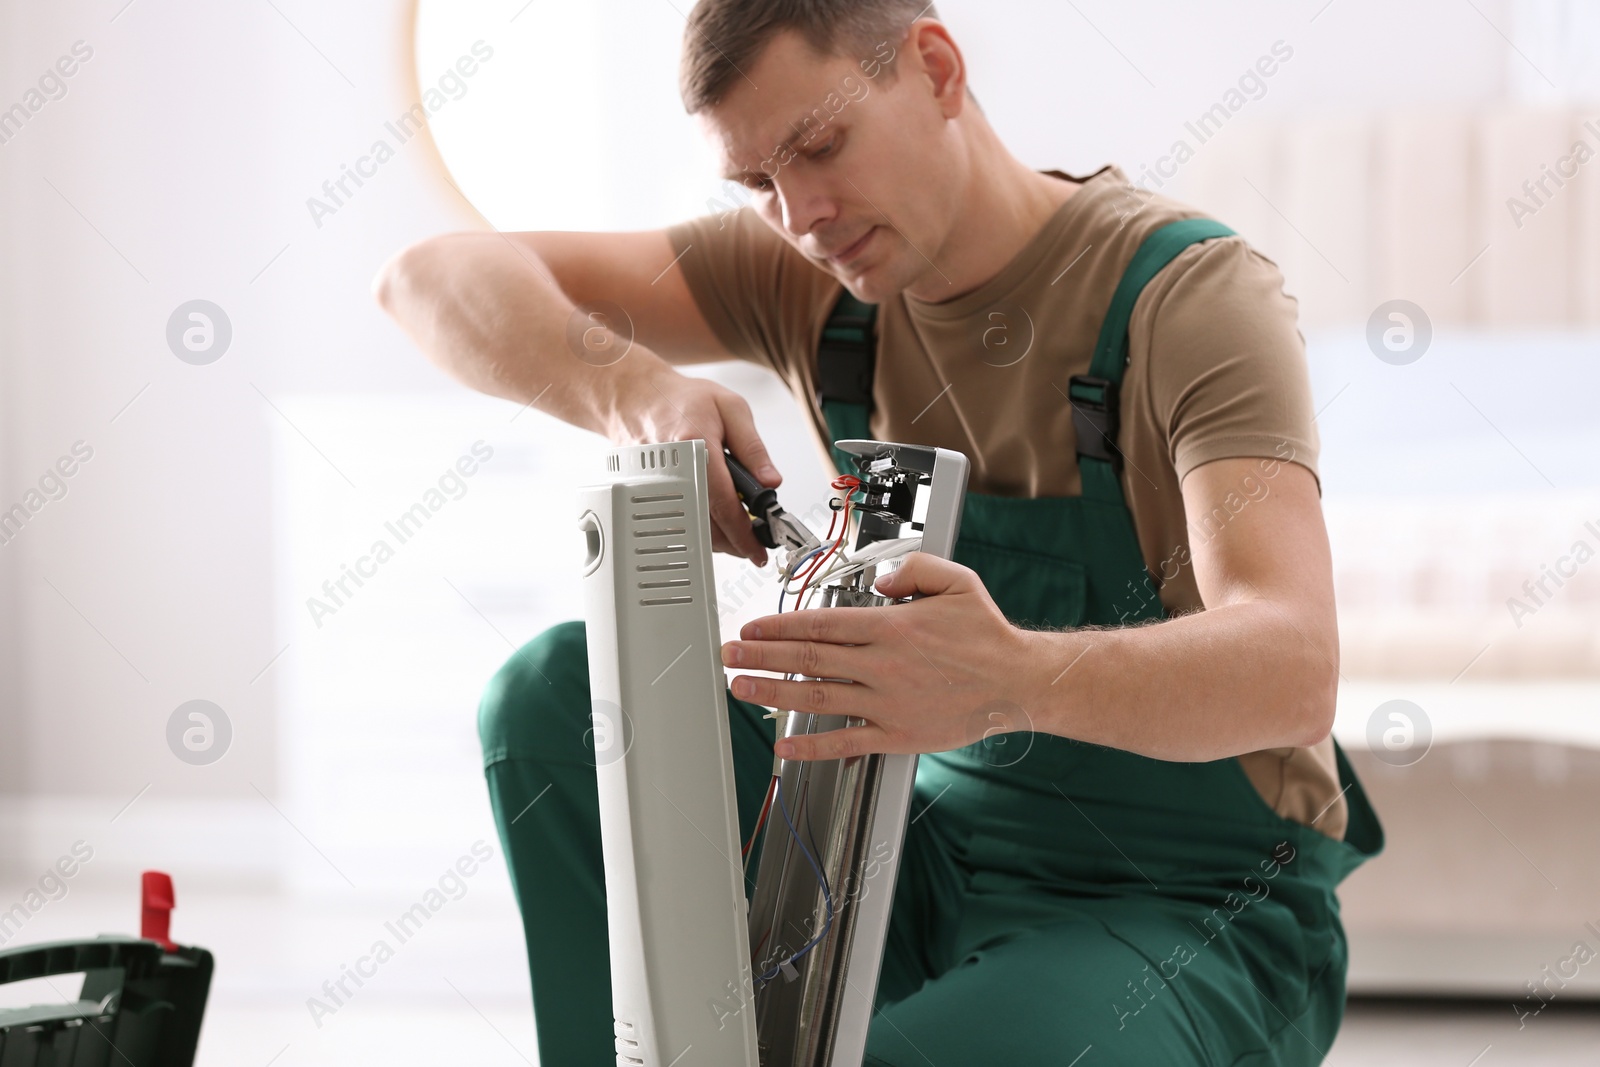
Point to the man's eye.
(826, 149)
(758, 184)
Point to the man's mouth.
(851, 251)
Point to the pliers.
(773, 526)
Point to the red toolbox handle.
(155, 909)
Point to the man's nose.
(803, 206)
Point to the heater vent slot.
(627, 1044)
(665, 531)
(651, 459)
(614, 462)
(651, 602)
(656, 550)
(657, 499)
(676, 565)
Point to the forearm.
(489, 314)
(1249, 675)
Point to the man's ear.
(942, 64)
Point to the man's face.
(858, 172)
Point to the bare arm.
(1257, 669)
(500, 313)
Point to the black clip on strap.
(1095, 418)
(846, 353)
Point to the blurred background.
(204, 417)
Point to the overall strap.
(846, 362)
(1095, 396)
(847, 355)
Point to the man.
(1148, 876)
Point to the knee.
(537, 705)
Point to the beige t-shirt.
(1217, 370)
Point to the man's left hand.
(926, 676)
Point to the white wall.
(186, 147)
(1068, 85)
(178, 166)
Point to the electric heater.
(699, 975)
(680, 960)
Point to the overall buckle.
(845, 365)
(1095, 418)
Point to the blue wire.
(827, 896)
(784, 588)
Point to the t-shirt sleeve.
(1228, 374)
(760, 297)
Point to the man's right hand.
(496, 310)
(659, 404)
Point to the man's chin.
(870, 285)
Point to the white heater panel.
(680, 956)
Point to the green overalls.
(1057, 902)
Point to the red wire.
(849, 483)
(811, 568)
(833, 520)
(815, 568)
(762, 818)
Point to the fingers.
(926, 575)
(837, 626)
(739, 429)
(809, 658)
(698, 408)
(833, 744)
(818, 697)
(727, 513)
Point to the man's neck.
(1006, 206)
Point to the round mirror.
(563, 116)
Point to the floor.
(456, 991)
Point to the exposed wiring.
(784, 587)
(819, 556)
(794, 564)
(827, 547)
(809, 569)
(812, 572)
(761, 820)
(877, 554)
(827, 896)
(808, 823)
(847, 484)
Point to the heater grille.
(659, 536)
(648, 458)
(652, 459)
(629, 1053)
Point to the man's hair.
(724, 37)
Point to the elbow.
(1317, 699)
(386, 281)
(1316, 723)
(391, 278)
(404, 272)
